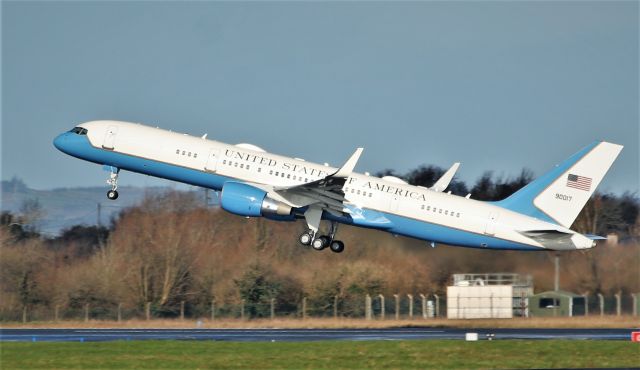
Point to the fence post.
(423, 298)
(635, 304)
(147, 311)
(181, 310)
(213, 309)
(601, 302)
(335, 307)
(585, 295)
(273, 308)
(24, 313)
(618, 303)
(56, 312)
(437, 304)
(119, 312)
(304, 308)
(410, 296)
(490, 305)
(367, 307)
(397, 297)
(86, 312)
(381, 306)
(242, 309)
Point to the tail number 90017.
(564, 197)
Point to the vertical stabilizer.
(560, 194)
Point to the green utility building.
(556, 303)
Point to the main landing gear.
(321, 242)
(113, 181)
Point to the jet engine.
(246, 200)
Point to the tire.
(320, 243)
(337, 246)
(112, 194)
(305, 239)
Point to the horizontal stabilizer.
(445, 180)
(545, 234)
(551, 239)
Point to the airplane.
(254, 183)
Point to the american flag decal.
(579, 182)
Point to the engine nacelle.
(246, 200)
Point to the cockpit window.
(79, 130)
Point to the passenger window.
(282, 174)
(224, 161)
(195, 155)
(428, 208)
(183, 152)
(458, 214)
(247, 166)
(288, 176)
(446, 213)
(277, 173)
(189, 154)
(178, 151)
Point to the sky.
(495, 85)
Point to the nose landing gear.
(113, 181)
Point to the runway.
(303, 335)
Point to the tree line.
(170, 249)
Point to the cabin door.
(110, 138)
(490, 228)
(212, 160)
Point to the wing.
(326, 192)
(444, 181)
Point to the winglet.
(347, 168)
(444, 181)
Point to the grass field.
(329, 354)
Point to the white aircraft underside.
(255, 183)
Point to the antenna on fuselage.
(204, 136)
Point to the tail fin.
(560, 194)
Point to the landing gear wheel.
(320, 243)
(336, 246)
(112, 194)
(305, 238)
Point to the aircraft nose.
(60, 141)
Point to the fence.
(370, 307)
